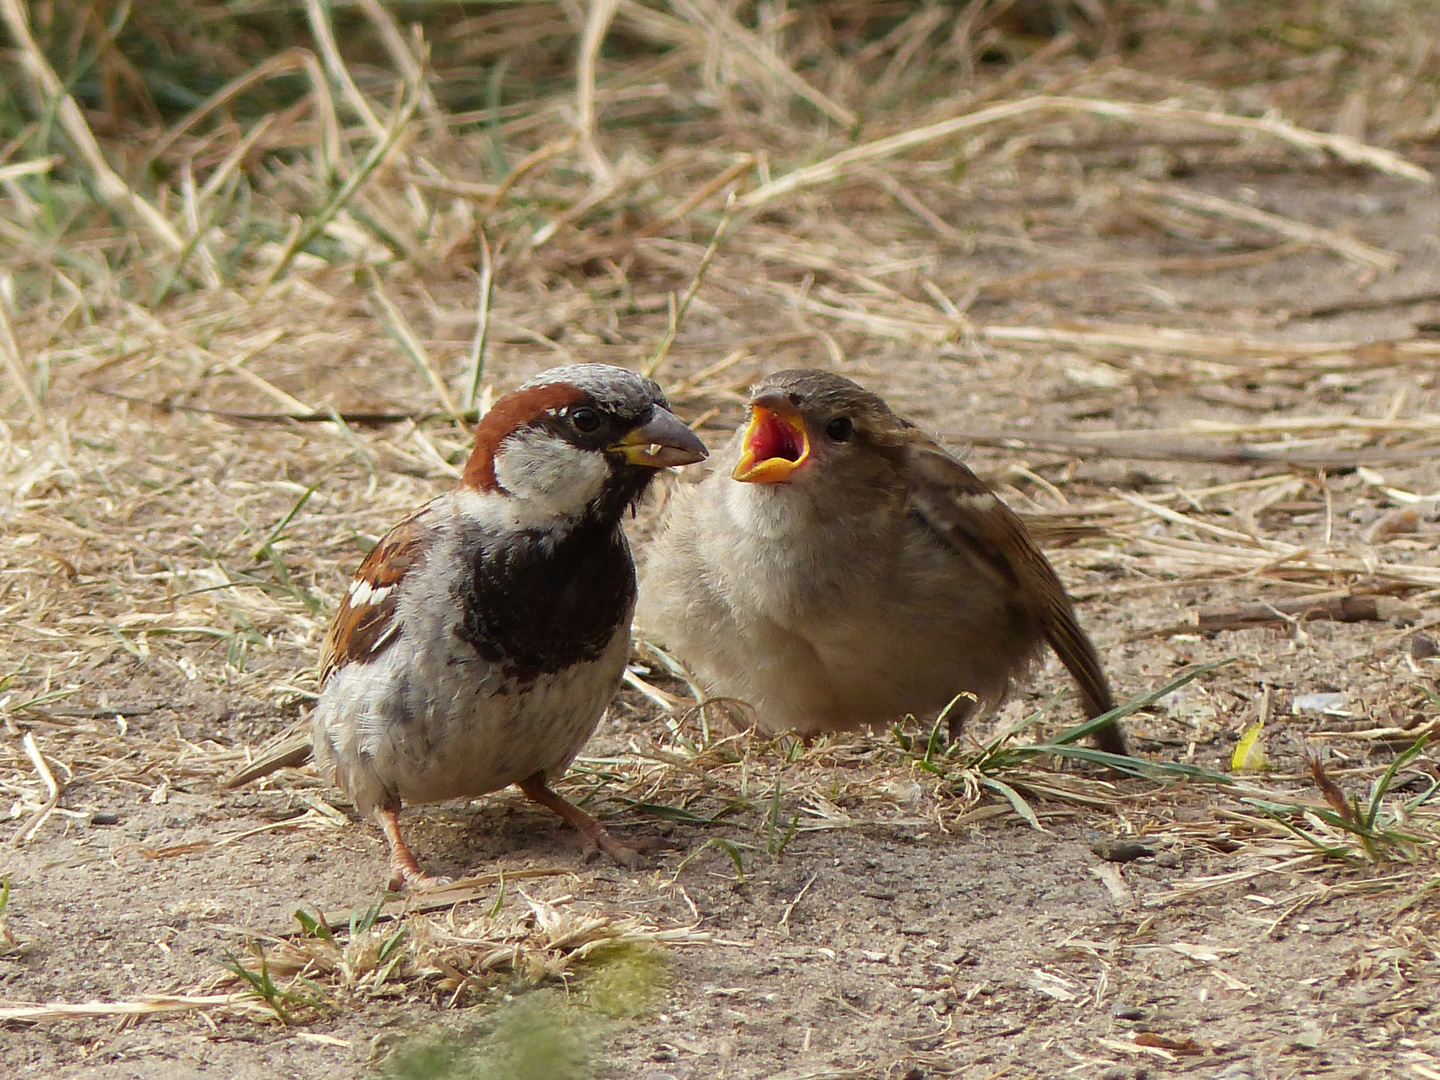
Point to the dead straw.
(1345, 246)
(111, 187)
(678, 311)
(320, 26)
(52, 789)
(15, 368)
(149, 1005)
(306, 231)
(482, 324)
(843, 163)
(597, 23)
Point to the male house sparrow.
(483, 637)
(840, 569)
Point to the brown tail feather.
(1079, 657)
(292, 751)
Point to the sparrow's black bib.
(539, 604)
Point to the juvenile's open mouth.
(776, 444)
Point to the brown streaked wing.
(964, 512)
(362, 631)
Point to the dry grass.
(241, 329)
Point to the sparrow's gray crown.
(624, 394)
(823, 393)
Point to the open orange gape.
(775, 445)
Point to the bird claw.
(629, 857)
(417, 881)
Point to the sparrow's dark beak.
(776, 442)
(660, 442)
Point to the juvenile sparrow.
(839, 568)
(483, 637)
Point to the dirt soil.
(908, 925)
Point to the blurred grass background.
(233, 122)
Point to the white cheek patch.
(555, 477)
(362, 593)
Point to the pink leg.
(537, 790)
(405, 872)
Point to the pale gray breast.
(429, 721)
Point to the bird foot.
(537, 790)
(405, 872)
(415, 880)
(632, 858)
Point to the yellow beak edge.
(753, 468)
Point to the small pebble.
(1423, 647)
(1310, 1037)
(104, 817)
(1323, 704)
(1396, 523)
(1122, 1011)
(1238, 1070)
(1411, 782)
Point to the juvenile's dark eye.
(585, 420)
(840, 428)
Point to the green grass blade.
(1382, 786)
(1145, 700)
(1015, 799)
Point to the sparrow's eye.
(840, 428)
(585, 420)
